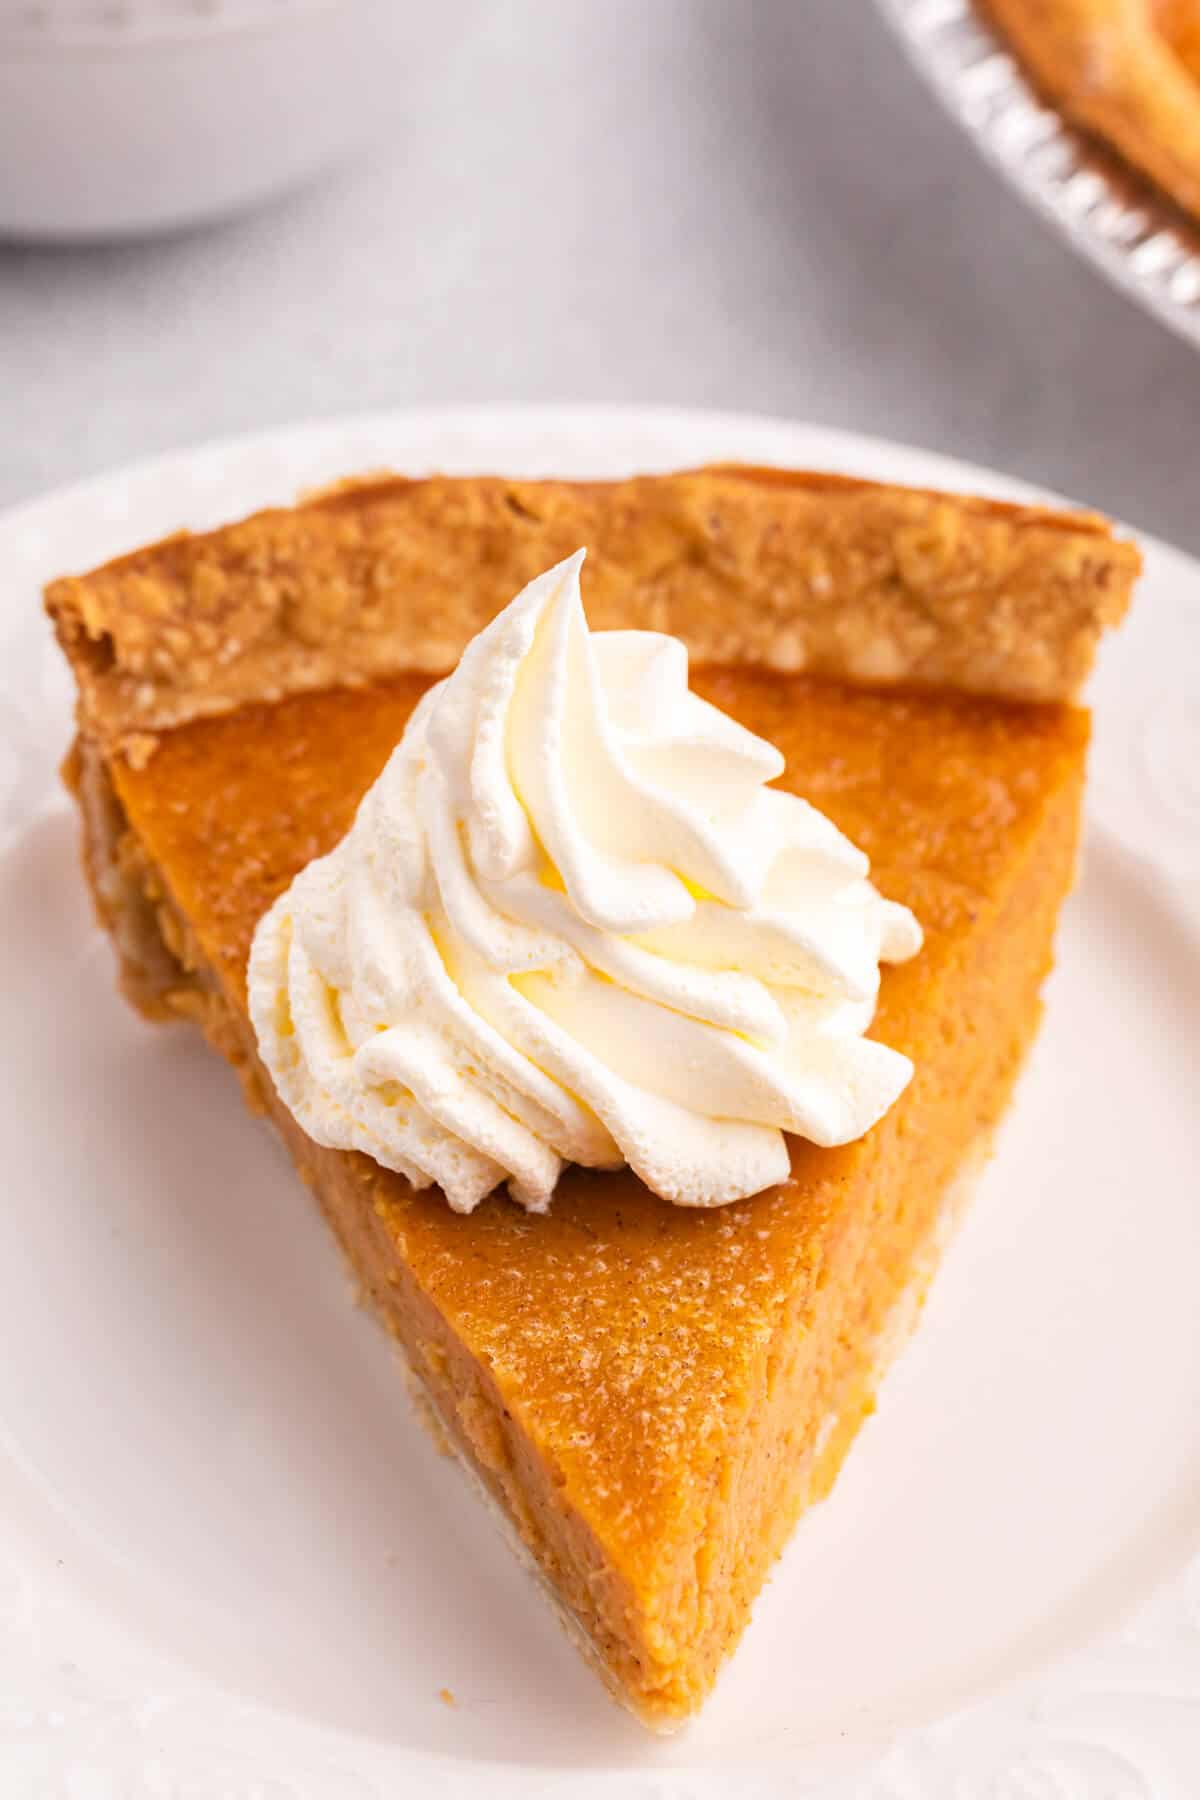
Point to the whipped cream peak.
(572, 923)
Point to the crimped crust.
(1127, 70)
(751, 566)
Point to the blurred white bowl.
(120, 117)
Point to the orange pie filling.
(650, 1394)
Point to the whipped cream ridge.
(572, 923)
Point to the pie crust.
(763, 567)
(1126, 70)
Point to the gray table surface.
(748, 204)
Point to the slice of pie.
(650, 1393)
(1127, 71)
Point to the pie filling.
(657, 1633)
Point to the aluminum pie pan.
(1118, 220)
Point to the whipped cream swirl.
(572, 923)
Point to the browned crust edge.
(768, 567)
(1104, 64)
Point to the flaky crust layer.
(748, 566)
(1127, 70)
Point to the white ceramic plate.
(1111, 214)
(232, 1566)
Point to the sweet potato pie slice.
(650, 1395)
